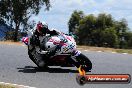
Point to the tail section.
(25, 40)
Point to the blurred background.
(101, 23)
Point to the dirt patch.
(95, 48)
(10, 42)
(90, 48)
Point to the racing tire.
(35, 60)
(85, 63)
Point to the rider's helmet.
(42, 27)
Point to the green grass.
(6, 86)
(124, 51)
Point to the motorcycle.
(65, 52)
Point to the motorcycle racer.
(57, 50)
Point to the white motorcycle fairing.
(67, 44)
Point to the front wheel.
(84, 62)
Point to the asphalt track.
(17, 68)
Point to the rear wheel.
(37, 58)
(32, 58)
(84, 62)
